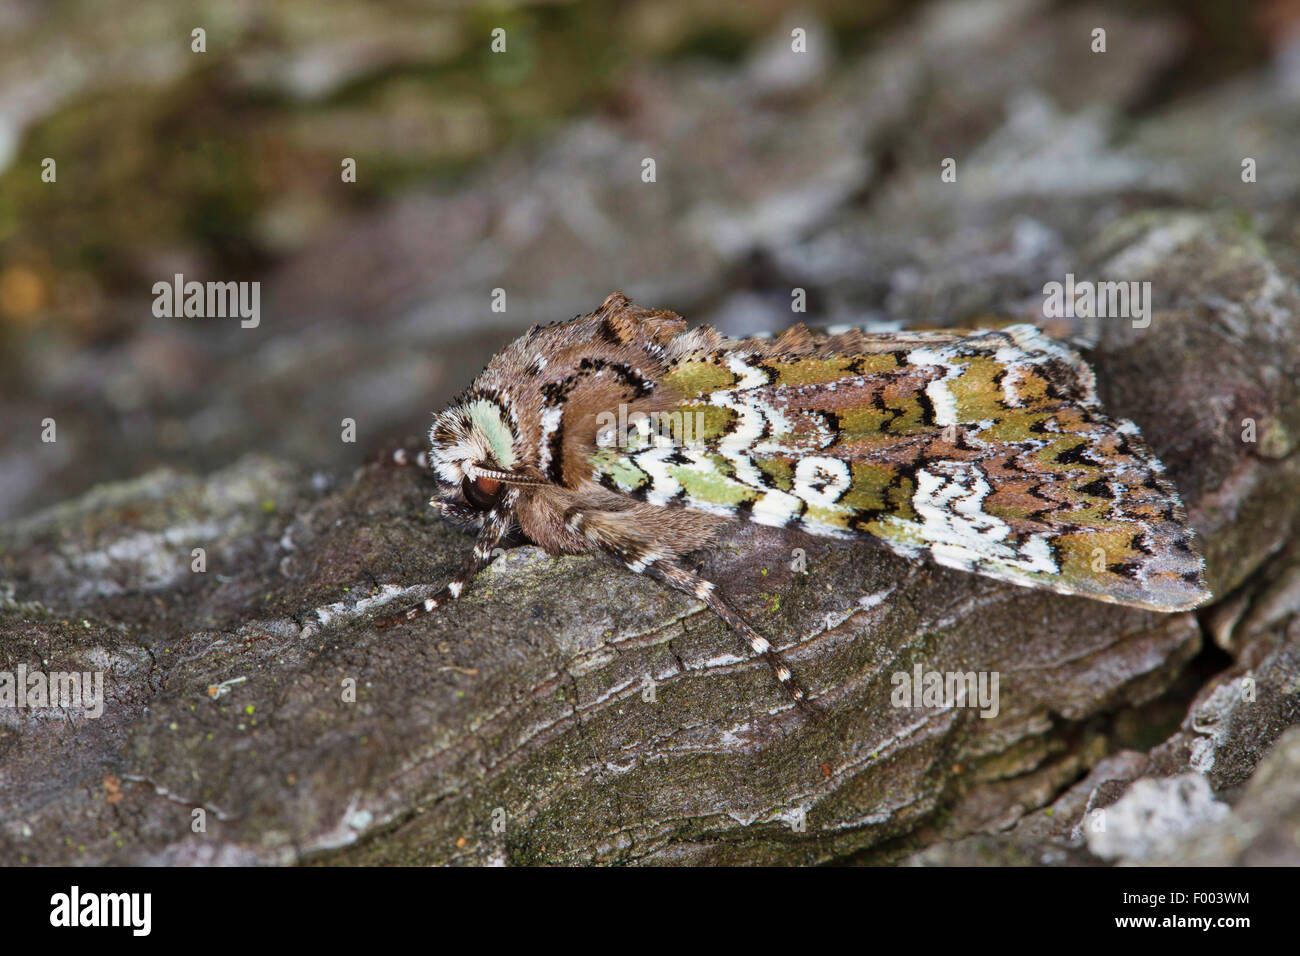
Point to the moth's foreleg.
(495, 526)
(679, 578)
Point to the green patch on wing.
(811, 371)
(876, 489)
(620, 469)
(779, 470)
(713, 421)
(976, 392)
(712, 482)
(699, 378)
(901, 414)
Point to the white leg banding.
(678, 577)
(455, 587)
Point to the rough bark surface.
(527, 699)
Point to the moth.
(986, 451)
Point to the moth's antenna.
(508, 477)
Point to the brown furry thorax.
(515, 444)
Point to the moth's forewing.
(988, 452)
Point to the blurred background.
(522, 171)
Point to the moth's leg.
(495, 525)
(675, 576)
(627, 542)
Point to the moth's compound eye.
(482, 493)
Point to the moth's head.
(476, 458)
